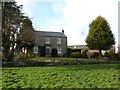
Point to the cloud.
(58, 7)
(47, 17)
(26, 6)
(56, 25)
(79, 14)
(74, 16)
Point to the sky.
(73, 16)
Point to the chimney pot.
(62, 31)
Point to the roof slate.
(50, 34)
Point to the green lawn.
(66, 76)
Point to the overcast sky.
(74, 16)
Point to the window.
(47, 39)
(58, 40)
(35, 49)
(59, 50)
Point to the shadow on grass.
(74, 65)
(71, 67)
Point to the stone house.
(51, 40)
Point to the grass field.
(66, 76)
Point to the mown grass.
(0, 78)
(66, 76)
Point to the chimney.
(62, 31)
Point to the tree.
(100, 36)
(27, 35)
(11, 18)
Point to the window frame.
(59, 50)
(35, 49)
(47, 40)
(59, 40)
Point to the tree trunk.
(100, 54)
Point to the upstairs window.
(58, 40)
(47, 40)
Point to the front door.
(48, 51)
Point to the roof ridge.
(48, 31)
(52, 31)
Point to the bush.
(68, 53)
(106, 54)
(75, 54)
(29, 55)
(8, 56)
(41, 51)
(54, 52)
(76, 50)
(64, 55)
(19, 56)
(115, 56)
(95, 55)
(84, 53)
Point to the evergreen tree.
(100, 36)
(11, 18)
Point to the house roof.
(50, 34)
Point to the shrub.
(115, 56)
(95, 55)
(84, 53)
(41, 51)
(106, 54)
(76, 50)
(64, 55)
(54, 52)
(8, 56)
(75, 54)
(29, 55)
(69, 51)
(20, 56)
